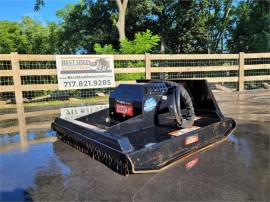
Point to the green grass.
(129, 76)
(92, 100)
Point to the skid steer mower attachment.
(148, 125)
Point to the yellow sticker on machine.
(183, 131)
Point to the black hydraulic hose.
(178, 100)
(182, 94)
(178, 117)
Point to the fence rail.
(21, 74)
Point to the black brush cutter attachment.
(148, 125)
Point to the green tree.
(36, 36)
(250, 32)
(206, 26)
(184, 26)
(121, 14)
(86, 23)
(11, 38)
(27, 36)
(218, 19)
(188, 33)
(156, 15)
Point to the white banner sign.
(76, 112)
(85, 71)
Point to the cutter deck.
(140, 144)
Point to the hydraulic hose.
(180, 94)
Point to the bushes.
(106, 49)
(143, 42)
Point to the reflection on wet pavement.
(25, 126)
(36, 167)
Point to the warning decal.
(192, 139)
(183, 131)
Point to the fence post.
(241, 75)
(147, 66)
(22, 126)
(16, 77)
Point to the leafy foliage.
(11, 37)
(206, 26)
(143, 42)
(251, 30)
(85, 24)
(106, 49)
(28, 36)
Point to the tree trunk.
(208, 44)
(122, 7)
(220, 35)
(162, 45)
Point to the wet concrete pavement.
(235, 170)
